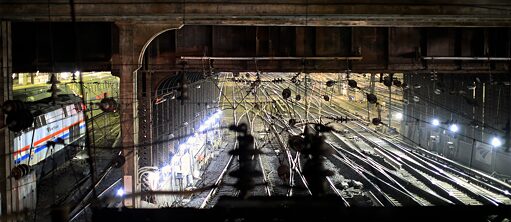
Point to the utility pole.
(371, 90)
(390, 104)
(306, 97)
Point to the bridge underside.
(148, 43)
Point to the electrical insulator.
(53, 79)
(20, 171)
(53, 89)
(326, 98)
(376, 121)
(18, 116)
(352, 83)
(241, 128)
(298, 97)
(314, 169)
(343, 119)
(108, 105)
(330, 83)
(371, 98)
(246, 171)
(323, 128)
(286, 93)
(12, 106)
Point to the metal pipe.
(272, 58)
(466, 58)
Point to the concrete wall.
(478, 122)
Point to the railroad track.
(407, 180)
(223, 185)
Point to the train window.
(37, 122)
(43, 120)
(71, 110)
(78, 107)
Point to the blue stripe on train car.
(40, 148)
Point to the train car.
(56, 125)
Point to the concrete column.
(126, 64)
(6, 162)
(16, 195)
(133, 40)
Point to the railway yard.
(255, 110)
(369, 167)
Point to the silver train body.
(63, 121)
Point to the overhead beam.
(474, 13)
(328, 58)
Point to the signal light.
(352, 83)
(371, 98)
(376, 121)
(286, 93)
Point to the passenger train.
(56, 124)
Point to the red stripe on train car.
(46, 138)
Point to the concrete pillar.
(128, 66)
(133, 40)
(6, 162)
(16, 195)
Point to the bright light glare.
(65, 75)
(153, 176)
(166, 169)
(399, 116)
(154, 179)
(193, 142)
(435, 122)
(453, 128)
(120, 192)
(496, 142)
(77, 73)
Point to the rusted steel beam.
(272, 58)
